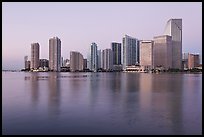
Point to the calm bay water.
(101, 103)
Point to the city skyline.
(100, 30)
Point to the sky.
(78, 24)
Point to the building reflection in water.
(54, 93)
(146, 92)
(167, 102)
(130, 97)
(34, 88)
(192, 97)
(94, 90)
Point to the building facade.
(174, 28)
(185, 61)
(92, 57)
(85, 64)
(26, 63)
(76, 61)
(162, 52)
(130, 47)
(54, 54)
(44, 63)
(146, 56)
(107, 56)
(193, 61)
(116, 49)
(99, 59)
(35, 52)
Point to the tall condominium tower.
(146, 50)
(162, 51)
(26, 63)
(99, 58)
(54, 54)
(116, 49)
(130, 47)
(174, 29)
(92, 58)
(76, 61)
(193, 60)
(35, 51)
(107, 56)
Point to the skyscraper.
(54, 54)
(193, 61)
(162, 51)
(174, 29)
(116, 49)
(130, 47)
(99, 58)
(26, 63)
(146, 56)
(76, 61)
(44, 63)
(107, 56)
(34, 56)
(92, 57)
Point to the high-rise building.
(92, 57)
(174, 29)
(76, 61)
(185, 61)
(146, 56)
(54, 54)
(162, 51)
(193, 60)
(107, 56)
(44, 63)
(26, 63)
(62, 62)
(85, 64)
(65, 63)
(35, 52)
(116, 49)
(130, 47)
(99, 55)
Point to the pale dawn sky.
(81, 23)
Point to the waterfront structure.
(116, 48)
(193, 61)
(162, 52)
(66, 63)
(99, 59)
(85, 64)
(174, 28)
(92, 57)
(107, 56)
(146, 56)
(35, 52)
(62, 62)
(76, 61)
(130, 50)
(26, 63)
(54, 54)
(185, 61)
(44, 63)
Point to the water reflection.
(130, 95)
(167, 105)
(116, 82)
(115, 103)
(34, 88)
(93, 84)
(54, 93)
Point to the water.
(101, 103)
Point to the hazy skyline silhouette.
(78, 24)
